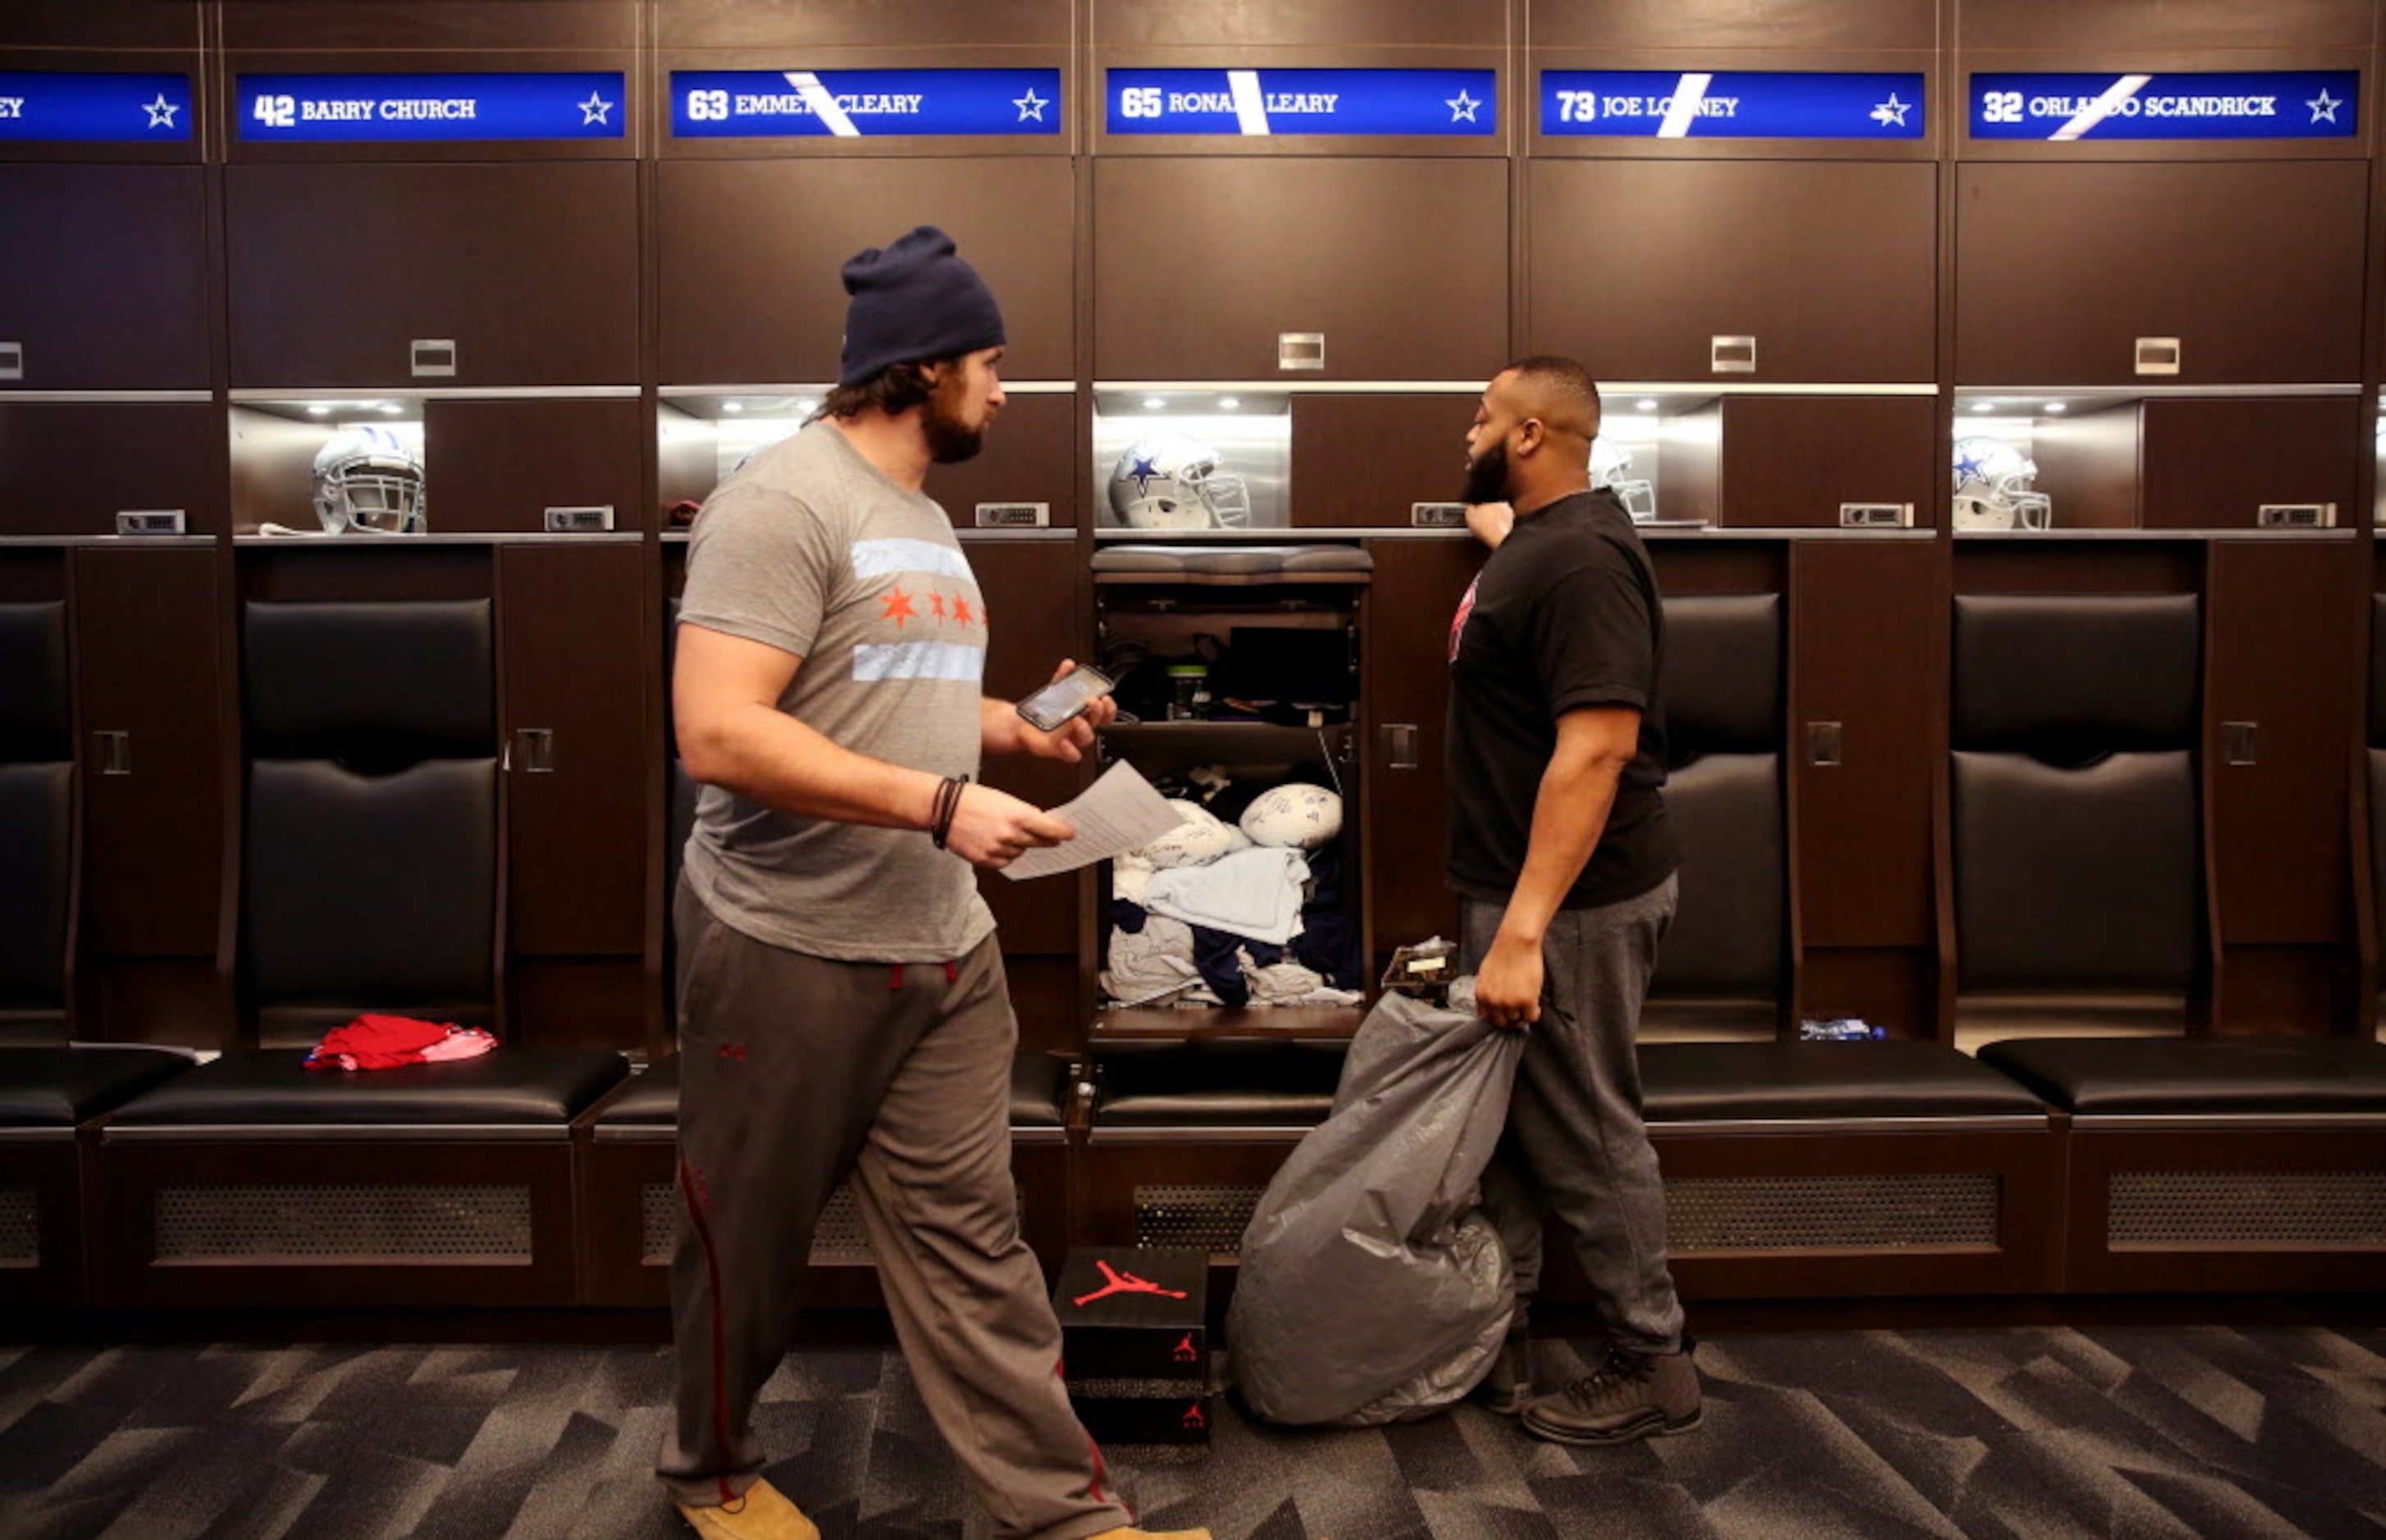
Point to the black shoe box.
(1183, 1418)
(1134, 1313)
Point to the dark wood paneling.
(2211, 465)
(577, 1002)
(2088, 466)
(769, 305)
(1704, 564)
(146, 627)
(325, 571)
(1034, 601)
(1710, 24)
(1868, 650)
(1188, 286)
(2286, 991)
(944, 24)
(531, 268)
(1359, 461)
(574, 645)
(69, 466)
(2018, 567)
(105, 281)
(2281, 622)
(1418, 588)
(81, 24)
(1789, 461)
(1030, 456)
(372, 25)
(1222, 23)
(53, 1174)
(1636, 266)
(181, 1002)
(498, 466)
(2255, 266)
(2064, 25)
(1043, 994)
(1893, 988)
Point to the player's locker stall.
(1733, 216)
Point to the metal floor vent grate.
(1210, 1218)
(480, 1226)
(1840, 1213)
(2317, 1210)
(20, 1228)
(839, 1240)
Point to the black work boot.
(1629, 1395)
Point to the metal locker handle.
(115, 748)
(12, 360)
(2158, 356)
(537, 750)
(1301, 350)
(1400, 745)
(2237, 742)
(432, 356)
(1732, 355)
(1824, 745)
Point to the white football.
(1200, 836)
(1302, 817)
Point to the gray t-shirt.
(809, 548)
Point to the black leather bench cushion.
(411, 680)
(35, 825)
(1723, 675)
(60, 1087)
(266, 1087)
(1732, 927)
(2268, 1076)
(1039, 1087)
(1685, 1083)
(2066, 676)
(1232, 1083)
(34, 712)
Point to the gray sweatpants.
(1575, 1147)
(797, 1072)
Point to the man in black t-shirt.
(1564, 862)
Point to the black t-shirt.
(1565, 615)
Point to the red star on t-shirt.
(898, 607)
(961, 610)
(937, 606)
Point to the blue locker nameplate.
(1662, 103)
(1266, 102)
(862, 103)
(2278, 104)
(66, 107)
(414, 108)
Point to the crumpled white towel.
(1150, 964)
(1252, 893)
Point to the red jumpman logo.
(1126, 1282)
(1185, 1352)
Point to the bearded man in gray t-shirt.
(842, 1007)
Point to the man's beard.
(1487, 476)
(951, 441)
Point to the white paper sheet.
(1116, 814)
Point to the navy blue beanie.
(914, 301)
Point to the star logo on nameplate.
(161, 111)
(1143, 473)
(2323, 106)
(593, 110)
(1462, 106)
(1031, 106)
(1891, 114)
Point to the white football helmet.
(1993, 490)
(1170, 482)
(1609, 461)
(369, 479)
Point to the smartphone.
(1052, 707)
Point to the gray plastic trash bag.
(1371, 1288)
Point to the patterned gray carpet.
(2026, 1434)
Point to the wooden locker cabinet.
(2255, 267)
(1363, 461)
(1418, 587)
(66, 468)
(749, 254)
(429, 24)
(1030, 456)
(147, 623)
(1790, 461)
(496, 467)
(1638, 265)
(1033, 601)
(1201, 264)
(572, 648)
(939, 24)
(1207, 24)
(103, 276)
(531, 268)
(2282, 617)
(2211, 465)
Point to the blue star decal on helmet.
(1968, 466)
(1143, 473)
